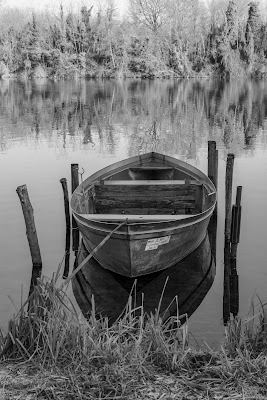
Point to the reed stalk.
(137, 357)
(49, 329)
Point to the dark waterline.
(46, 126)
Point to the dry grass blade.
(122, 360)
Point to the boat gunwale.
(118, 166)
(122, 165)
(169, 227)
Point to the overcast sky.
(41, 4)
(54, 4)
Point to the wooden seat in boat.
(148, 199)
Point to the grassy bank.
(50, 352)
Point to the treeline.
(157, 38)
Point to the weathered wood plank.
(117, 199)
(74, 185)
(135, 218)
(213, 162)
(149, 191)
(149, 201)
(147, 211)
(31, 233)
(145, 182)
(200, 198)
(130, 199)
(63, 182)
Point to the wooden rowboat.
(165, 205)
(189, 281)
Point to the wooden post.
(228, 195)
(67, 254)
(212, 232)
(234, 289)
(227, 235)
(63, 182)
(74, 184)
(238, 195)
(74, 176)
(235, 236)
(213, 162)
(226, 283)
(236, 217)
(213, 175)
(31, 234)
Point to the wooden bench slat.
(145, 211)
(137, 191)
(147, 182)
(148, 199)
(135, 200)
(151, 168)
(135, 218)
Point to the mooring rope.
(91, 254)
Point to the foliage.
(181, 38)
(254, 25)
(231, 23)
(3, 69)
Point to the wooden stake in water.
(74, 176)
(235, 236)
(74, 185)
(227, 235)
(236, 217)
(31, 234)
(213, 175)
(228, 195)
(213, 162)
(212, 232)
(63, 182)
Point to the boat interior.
(148, 190)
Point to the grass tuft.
(52, 352)
(248, 336)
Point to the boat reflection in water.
(189, 280)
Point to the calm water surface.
(45, 126)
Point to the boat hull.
(188, 280)
(137, 250)
(144, 243)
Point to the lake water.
(45, 126)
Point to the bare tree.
(151, 13)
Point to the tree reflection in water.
(149, 115)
